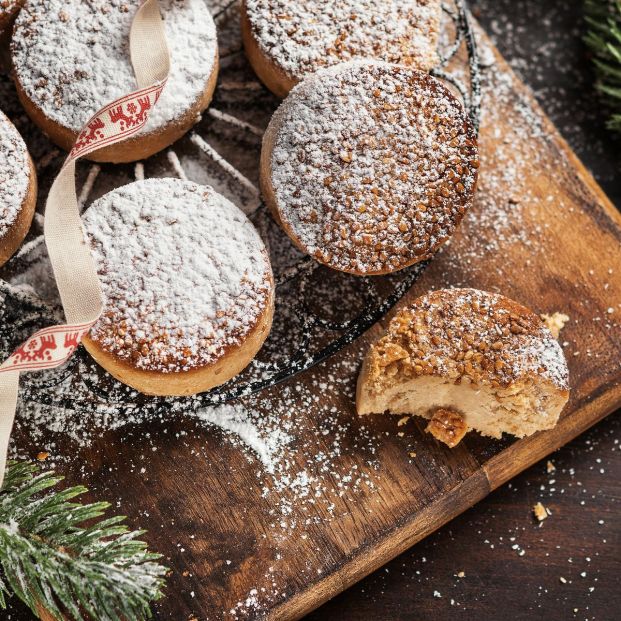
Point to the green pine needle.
(604, 38)
(49, 558)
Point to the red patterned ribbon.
(46, 349)
(117, 121)
(73, 265)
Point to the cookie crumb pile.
(369, 166)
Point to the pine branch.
(604, 38)
(51, 560)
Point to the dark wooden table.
(496, 561)
(568, 567)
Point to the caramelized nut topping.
(466, 335)
(448, 427)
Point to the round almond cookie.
(466, 359)
(71, 58)
(187, 284)
(287, 40)
(18, 189)
(369, 167)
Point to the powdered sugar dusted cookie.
(18, 189)
(187, 283)
(72, 57)
(467, 359)
(287, 40)
(369, 167)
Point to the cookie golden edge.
(277, 80)
(16, 233)
(199, 379)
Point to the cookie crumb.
(555, 322)
(540, 512)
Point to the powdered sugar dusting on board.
(301, 37)
(72, 57)
(14, 174)
(267, 444)
(505, 198)
(306, 413)
(373, 165)
(184, 273)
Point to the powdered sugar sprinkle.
(72, 57)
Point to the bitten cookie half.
(71, 58)
(369, 167)
(187, 283)
(288, 40)
(467, 359)
(18, 189)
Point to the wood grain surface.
(497, 557)
(541, 232)
(510, 562)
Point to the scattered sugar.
(11, 527)
(235, 419)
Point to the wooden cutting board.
(350, 494)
